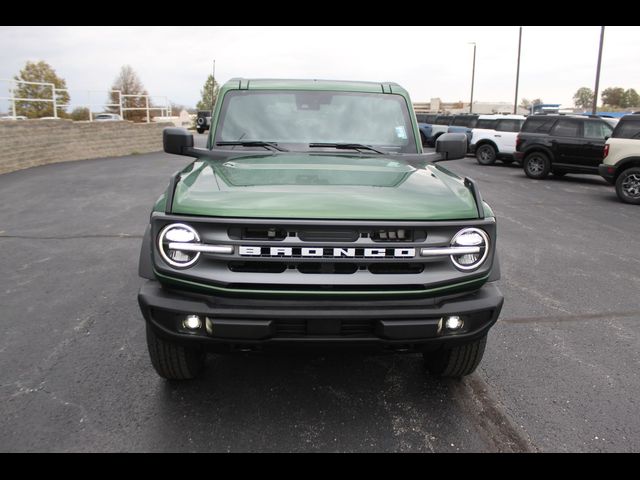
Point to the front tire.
(628, 186)
(172, 360)
(457, 361)
(537, 165)
(486, 154)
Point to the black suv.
(562, 144)
(203, 121)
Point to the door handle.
(497, 136)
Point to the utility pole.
(473, 75)
(515, 102)
(595, 92)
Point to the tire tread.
(171, 360)
(457, 361)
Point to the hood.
(321, 186)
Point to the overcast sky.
(427, 61)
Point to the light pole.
(595, 93)
(515, 102)
(473, 75)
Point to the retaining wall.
(28, 143)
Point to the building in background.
(436, 105)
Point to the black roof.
(569, 115)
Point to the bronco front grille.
(323, 256)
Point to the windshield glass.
(295, 119)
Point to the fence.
(165, 109)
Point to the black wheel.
(537, 165)
(200, 130)
(457, 361)
(174, 361)
(558, 174)
(628, 186)
(486, 154)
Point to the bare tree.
(128, 83)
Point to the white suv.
(621, 164)
(494, 138)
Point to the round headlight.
(475, 239)
(173, 234)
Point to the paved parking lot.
(560, 372)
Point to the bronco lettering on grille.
(326, 252)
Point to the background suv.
(203, 121)
(425, 125)
(494, 137)
(562, 144)
(621, 165)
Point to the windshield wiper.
(346, 146)
(255, 143)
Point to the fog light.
(192, 322)
(453, 323)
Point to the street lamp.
(473, 75)
(595, 93)
(515, 102)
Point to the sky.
(427, 61)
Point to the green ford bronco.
(314, 219)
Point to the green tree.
(525, 103)
(630, 98)
(208, 94)
(613, 96)
(80, 114)
(128, 83)
(583, 98)
(39, 72)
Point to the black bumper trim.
(258, 324)
(608, 172)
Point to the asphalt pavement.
(560, 371)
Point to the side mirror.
(452, 146)
(176, 140)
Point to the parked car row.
(551, 143)
(490, 137)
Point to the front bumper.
(608, 172)
(243, 323)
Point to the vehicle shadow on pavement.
(323, 402)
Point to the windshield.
(295, 119)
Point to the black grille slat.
(298, 327)
(328, 235)
(396, 268)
